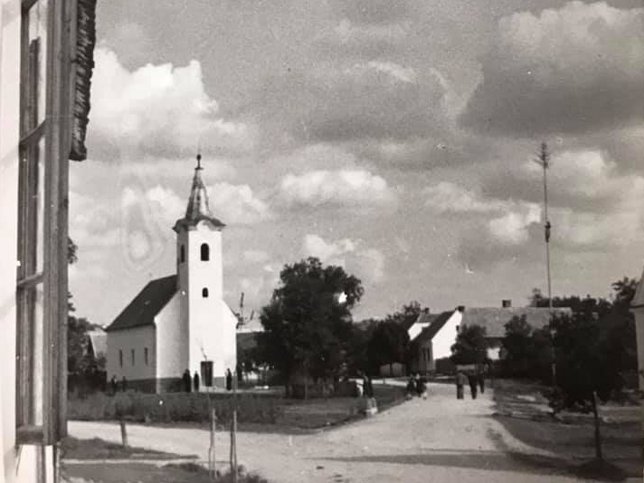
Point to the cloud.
(573, 70)
(367, 263)
(348, 188)
(255, 256)
(365, 100)
(373, 11)
(507, 221)
(157, 109)
(237, 204)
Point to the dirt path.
(439, 439)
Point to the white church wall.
(446, 336)
(172, 340)
(120, 360)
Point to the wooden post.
(212, 462)
(123, 432)
(598, 441)
(233, 433)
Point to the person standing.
(460, 384)
(187, 383)
(113, 385)
(229, 380)
(472, 380)
(481, 381)
(196, 381)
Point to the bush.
(174, 407)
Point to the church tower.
(206, 323)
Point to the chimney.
(426, 310)
(461, 308)
(506, 303)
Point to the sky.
(396, 138)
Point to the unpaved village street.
(440, 439)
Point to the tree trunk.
(598, 441)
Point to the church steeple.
(198, 208)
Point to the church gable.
(146, 305)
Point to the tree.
(528, 351)
(307, 324)
(584, 373)
(470, 346)
(388, 344)
(407, 315)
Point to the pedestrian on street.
(187, 383)
(229, 380)
(460, 384)
(196, 381)
(481, 381)
(113, 385)
(472, 380)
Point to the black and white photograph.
(327, 241)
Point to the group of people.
(475, 380)
(416, 386)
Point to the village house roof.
(198, 207)
(436, 323)
(495, 318)
(146, 305)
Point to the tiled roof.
(198, 208)
(436, 323)
(146, 305)
(495, 318)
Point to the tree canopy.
(307, 324)
(389, 343)
(470, 346)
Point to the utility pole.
(544, 162)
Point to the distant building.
(180, 321)
(434, 334)
(637, 307)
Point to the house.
(436, 333)
(434, 340)
(179, 322)
(43, 114)
(637, 307)
(493, 319)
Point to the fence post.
(123, 432)
(212, 466)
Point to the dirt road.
(439, 439)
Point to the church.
(179, 322)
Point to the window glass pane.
(30, 357)
(39, 202)
(37, 21)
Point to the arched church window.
(204, 292)
(205, 252)
(182, 255)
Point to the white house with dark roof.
(434, 334)
(180, 321)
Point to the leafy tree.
(584, 373)
(307, 325)
(470, 346)
(528, 351)
(388, 344)
(407, 315)
(576, 303)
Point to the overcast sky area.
(396, 138)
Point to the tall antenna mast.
(544, 162)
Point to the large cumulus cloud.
(571, 70)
